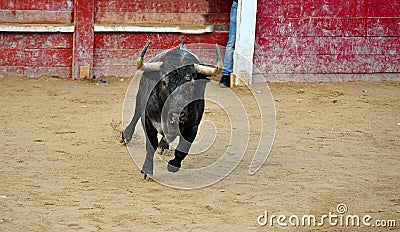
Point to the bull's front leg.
(163, 144)
(185, 142)
(151, 146)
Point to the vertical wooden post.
(83, 38)
(245, 39)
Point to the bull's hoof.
(144, 175)
(147, 168)
(124, 139)
(173, 166)
(163, 145)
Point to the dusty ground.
(63, 168)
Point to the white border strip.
(36, 28)
(104, 28)
(167, 29)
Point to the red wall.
(36, 54)
(293, 37)
(107, 53)
(36, 11)
(327, 37)
(115, 53)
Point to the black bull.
(170, 101)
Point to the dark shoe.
(225, 82)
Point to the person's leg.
(230, 47)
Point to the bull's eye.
(188, 77)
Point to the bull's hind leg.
(185, 142)
(130, 129)
(151, 146)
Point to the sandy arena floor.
(62, 166)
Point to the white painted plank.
(36, 28)
(245, 39)
(104, 28)
(160, 29)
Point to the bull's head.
(156, 66)
(181, 86)
(177, 91)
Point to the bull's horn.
(147, 67)
(208, 70)
(151, 67)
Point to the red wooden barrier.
(35, 54)
(40, 11)
(83, 37)
(326, 37)
(293, 37)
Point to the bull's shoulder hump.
(159, 55)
